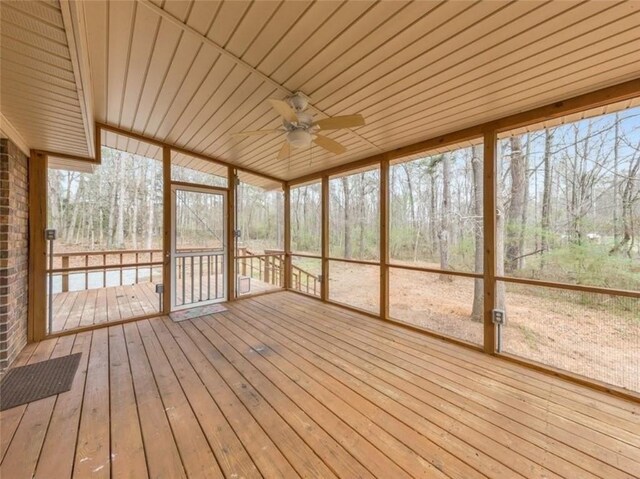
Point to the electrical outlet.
(499, 316)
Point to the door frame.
(173, 255)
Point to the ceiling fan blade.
(336, 122)
(255, 132)
(329, 144)
(285, 151)
(284, 110)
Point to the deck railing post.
(489, 212)
(65, 276)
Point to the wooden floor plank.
(264, 452)
(230, 453)
(127, 448)
(286, 386)
(410, 409)
(10, 418)
(379, 354)
(22, 455)
(163, 458)
(93, 457)
(301, 456)
(409, 459)
(197, 457)
(58, 450)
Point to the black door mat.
(39, 380)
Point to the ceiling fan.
(301, 130)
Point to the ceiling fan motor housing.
(298, 101)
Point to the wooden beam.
(177, 149)
(287, 236)
(167, 228)
(605, 96)
(66, 156)
(384, 240)
(324, 285)
(231, 236)
(98, 143)
(37, 310)
(489, 229)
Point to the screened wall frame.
(489, 133)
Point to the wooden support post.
(37, 317)
(287, 236)
(167, 227)
(324, 285)
(489, 208)
(384, 240)
(231, 236)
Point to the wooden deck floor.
(283, 386)
(103, 305)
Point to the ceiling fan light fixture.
(299, 138)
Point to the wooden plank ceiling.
(39, 95)
(191, 73)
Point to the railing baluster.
(209, 277)
(200, 278)
(191, 298)
(121, 262)
(136, 268)
(184, 281)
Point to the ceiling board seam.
(310, 35)
(516, 94)
(235, 59)
(279, 40)
(430, 49)
(371, 52)
(35, 33)
(227, 99)
(162, 83)
(35, 47)
(483, 88)
(237, 25)
(184, 77)
(32, 16)
(205, 103)
(344, 29)
(197, 89)
(146, 71)
(32, 69)
(519, 60)
(35, 104)
(128, 60)
(231, 114)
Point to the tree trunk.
(445, 219)
(477, 312)
(516, 205)
(119, 233)
(347, 224)
(545, 219)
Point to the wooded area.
(568, 207)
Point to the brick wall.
(14, 250)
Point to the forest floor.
(600, 341)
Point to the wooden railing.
(269, 268)
(199, 277)
(86, 262)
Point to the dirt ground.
(598, 341)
